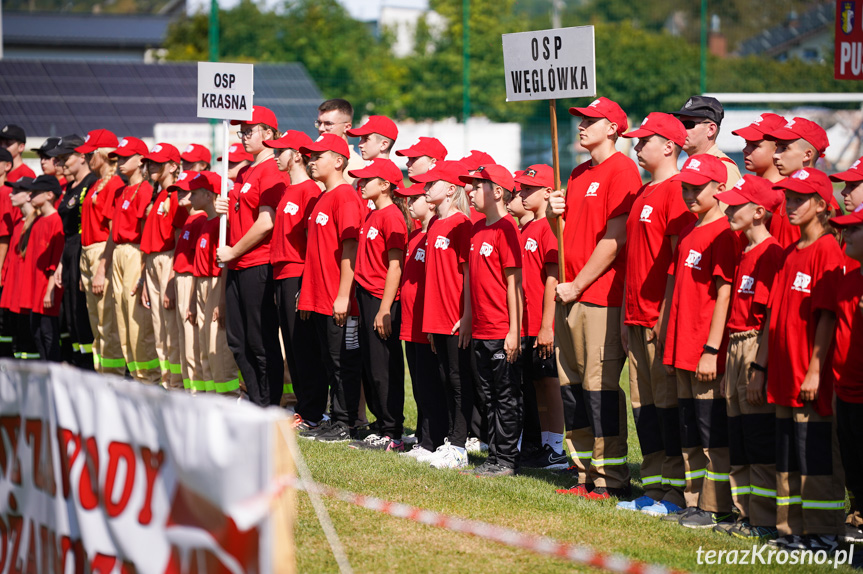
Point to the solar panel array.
(55, 98)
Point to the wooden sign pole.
(558, 227)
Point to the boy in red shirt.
(751, 420)
(288, 257)
(327, 297)
(539, 280)
(134, 323)
(14, 139)
(599, 196)
(423, 155)
(703, 269)
(496, 304)
(44, 249)
(847, 365)
(380, 258)
(810, 489)
(377, 137)
(656, 220)
(758, 154)
(219, 372)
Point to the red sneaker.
(577, 490)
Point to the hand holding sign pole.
(225, 92)
(548, 65)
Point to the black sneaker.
(493, 470)
(706, 519)
(312, 432)
(546, 459)
(826, 542)
(679, 515)
(852, 534)
(338, 432)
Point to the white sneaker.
(475, 446)
(432, 456)
(416, 452)
(452, 458)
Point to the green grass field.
(378, 543)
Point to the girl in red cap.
(96, 210)
(157, 242)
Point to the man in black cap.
(14, 139)
(702, 116)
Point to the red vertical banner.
(848, 58)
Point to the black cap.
(702, 107)
(22, 184)
(45, 183)
(5, 155)
(66, 145)
(48, 144)
(13, 132)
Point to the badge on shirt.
(291, 208)
(372, 233)
(126, 204)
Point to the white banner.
(550, 64)
(225, 91)
(104, 475)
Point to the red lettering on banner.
(4, 542)
(77, 548)
(67, 459)
(43, 467)
(32, 566)
(88, 486)
(50, 552)
(15, 523)
(152, 466)
(102, 564)
(10, 426)
(117, 451)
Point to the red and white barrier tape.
(538, 544)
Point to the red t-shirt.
(9, 215)
(781, 229)
(44, 249)
(448, 246)
(851, 265)
(165, 216)
(205, 264)
(257, 186)
(21, 171)
(752, 283)
(493, 248)
(97, 209)
(184, 252)
(288, 245)
(412, 289)
(9, 299)
(847, 361)
(539, 247)
(475, 216)
(657, 214)
(384, 229)
(703, 254)
(336, 217)
(129, 211)
(806, 284)
(595, 194)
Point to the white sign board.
(225, 91)
(550, 64)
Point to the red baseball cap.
(852, 174)
(196, 152)
(382, 168)
(702, 168)
(801, 128)
(97, 139)
(327, 142)
(412, 190)
(758, 129)
(376, 125)
(853, 218)
(494, 173)
(808, 181)
(448, 171)
(604, 108)
(183, 181)
(237, 153)
(752, 189)
(130, 146)
(540, 175)
(664, 125)
(425, 146)
(476, 159)
(291, 139)
(163, 152)
(260, 115)
(209, 180)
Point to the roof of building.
(72, 29)
(54, 98)
(777, 39)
